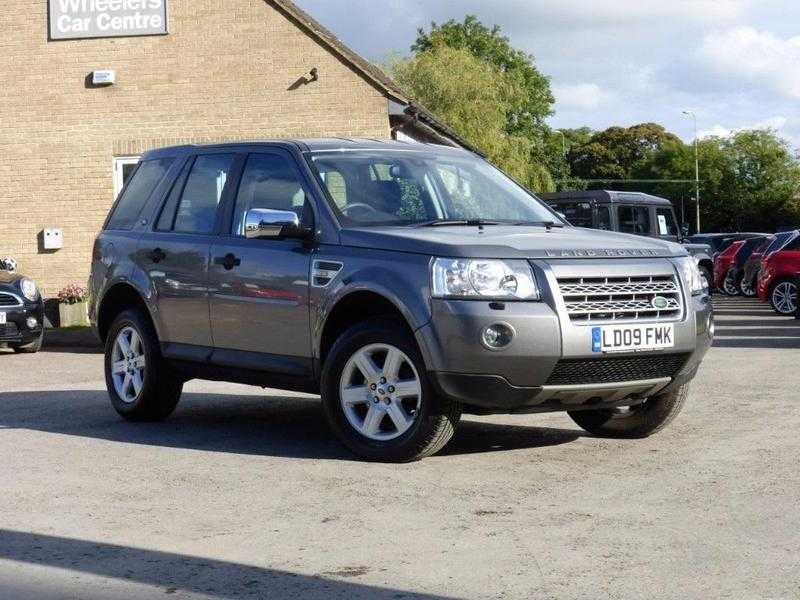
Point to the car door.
(666, 225)
(175, 252)
(259, 288)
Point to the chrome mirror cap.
(268, 223)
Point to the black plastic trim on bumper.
(487, 391)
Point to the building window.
(123, 169)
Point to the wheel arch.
(119, 297)
(355, 306)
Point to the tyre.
(748, 287)
(378, 399)
(31, 348)
(708, 277)
(783, 297)
(638, 421)
(730, 285)
(142, 386)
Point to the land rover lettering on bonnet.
(405, 283)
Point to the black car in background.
(21, 313)
(630, 212)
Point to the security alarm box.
(105, 77)
(53, 238)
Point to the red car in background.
(777, 280)
(723, 263)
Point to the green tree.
(526, 117)
(475, 98)
(619, 152)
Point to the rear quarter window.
(143, 182)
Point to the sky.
(734, 63)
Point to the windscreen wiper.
(455, 222)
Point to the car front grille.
(586, 371)
(591, 299)
(8, 300)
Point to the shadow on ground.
(171, 572)
(268, 425)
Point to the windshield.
(401, 187)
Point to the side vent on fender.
(323, 272)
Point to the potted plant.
(73, 306)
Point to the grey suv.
(405, 283)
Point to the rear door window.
(202, 192)
(144, 181)
(634, 219)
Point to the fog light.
(31, 322)
(497, 336)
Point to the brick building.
(220, 70)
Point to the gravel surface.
(244, 494)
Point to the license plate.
(2, 318)
(632, 338)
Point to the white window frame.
(119, 163)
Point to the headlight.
(483, 278)
(28, 288)
(690, 273)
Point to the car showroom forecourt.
(406, 283)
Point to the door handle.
(157, 255)
(228, 261)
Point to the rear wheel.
(730, 285)
(783, 297)
(142, 386)
(377, 396)
(637, 421)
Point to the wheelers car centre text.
(81, 106)
(103, 19)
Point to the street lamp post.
(696, 168)
(563, 142)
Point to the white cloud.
(776, 123)
(579, 96)
(758, 58)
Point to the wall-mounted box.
(53, 238)
(104, 77)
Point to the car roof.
(310, 145)
(606, 197)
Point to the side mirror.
(266, 223)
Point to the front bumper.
(521, 377)
(16, 330)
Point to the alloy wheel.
(747, 287)
(783, 297)
(380, 392)
(128, 365)
(729, 285)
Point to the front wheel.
(748, 287)
(783, 297)
(377, 396)
(142, 386)
(637, 421)
(730, 285)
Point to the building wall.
(225, 72)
